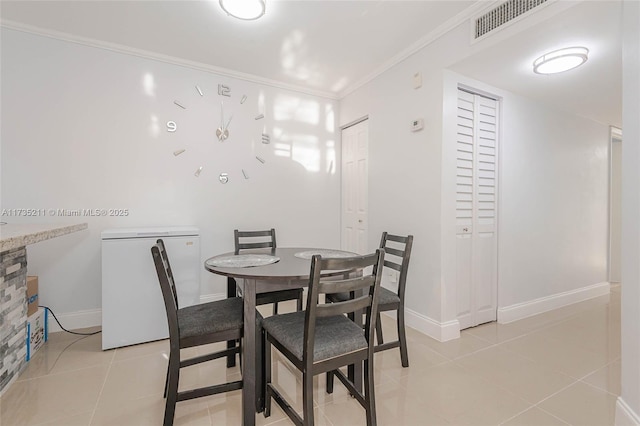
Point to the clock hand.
(222, 115)
(221, 132)
(225, 130)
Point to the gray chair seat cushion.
(336, 335)
(212, 317)
(386, 297)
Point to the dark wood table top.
(289, 267)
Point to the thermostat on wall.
(417, 124)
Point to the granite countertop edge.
(21, 235)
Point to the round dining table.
(259, 271)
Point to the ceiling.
(318, 44)
(327, 47)
(593, 90)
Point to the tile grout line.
(104, 383)
(598, 388)
(543, 328)
(556, 393)
(582, 379)
(531, 408)
(552, 415)
(320, 410)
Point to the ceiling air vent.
(502, 14)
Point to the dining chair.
(193, 326)
(246, 240)
(397, 254)
(321, 339)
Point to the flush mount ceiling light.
(560, 60)
(247, 10)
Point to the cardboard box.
(32, 295)
(37, 331)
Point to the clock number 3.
(224, 90)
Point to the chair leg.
(166, 382)
(369, 393)
(267, 377)
(231, 292)
(172, 391)
(307, 398)
(259, 366)
(300, 301)
(329, 381)
(404, 354)
(379, 330)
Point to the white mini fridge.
(132, 305)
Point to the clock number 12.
(224, 90)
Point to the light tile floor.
(558, 368)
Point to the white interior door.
(476, 209)
(355, 197)
(615, 207)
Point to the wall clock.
(226, 116)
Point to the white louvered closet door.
(476, 209)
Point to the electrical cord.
(63, 351)
(64, 329)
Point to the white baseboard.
(625, 416)
(93, 317)
(432, 328)
(519, 311)
(76, 320)
(441, 331)
(204, 298)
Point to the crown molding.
(118, 48)
(464, 16)
(434, 35)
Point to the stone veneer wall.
(13, 314)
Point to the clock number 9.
(171, 126)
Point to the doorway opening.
(615, 205)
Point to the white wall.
(628, 406)
(80, 131)
(554, 202)
(404, 168)
(554, 174)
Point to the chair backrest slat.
(401, 250)
(398, 238)
(343, 286)
(389, 250)
(394, 266)
(340, 308)
(245, 240)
